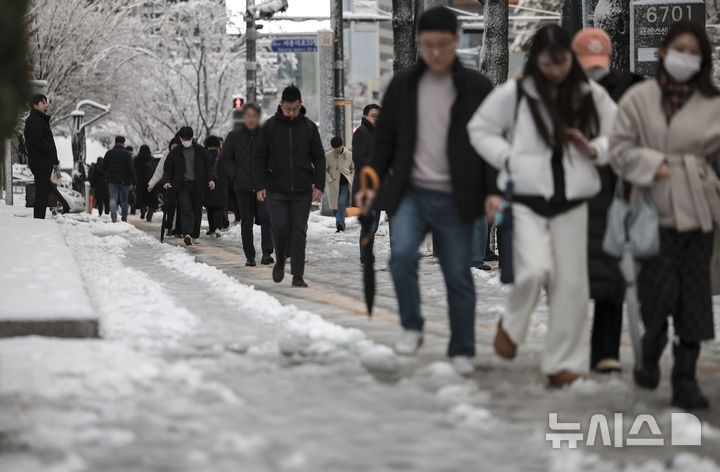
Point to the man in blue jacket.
(120, 174)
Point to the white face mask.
(681, 67)
(186, 144)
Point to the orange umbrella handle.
(368, 176)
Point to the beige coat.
(642, 140)
(338, 164)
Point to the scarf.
(674, 96)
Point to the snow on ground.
(198, 371)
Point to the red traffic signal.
(238, 103)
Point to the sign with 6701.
(650, 21)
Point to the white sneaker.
(409, 342)
(462, 365)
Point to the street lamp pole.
(250, 52)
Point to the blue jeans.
(479, 242)
(421, 211)
(121, 191)
(343, 198)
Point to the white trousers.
(552, 253)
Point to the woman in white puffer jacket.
(547, 132)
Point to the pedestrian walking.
(607, 285)
(120, 174)
(546, 132)
(42, 154)
(169, 196)
(216, 201)
(99, 185)
(190, 172)
(658, 146)
(142, 164)
(338, 180)
(363, 141)
(238, 156)
(289, 171)
(432, 180)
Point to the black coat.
(394, 150)
(238, 158)
(174, 170)
(363, 141)
(289, 155)
(606, 281)
(118, 166)
(218, 198)
(142, 164)
(39, 141)
(99, 184)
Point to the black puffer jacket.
(142, 163)
(39, 141)
(362, 144)
(393, 154)
(606, 281)
(118, 166)
(174, 170)
(289, 155)
(237, 156)
(98, 183)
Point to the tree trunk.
(403, 34)
(571, 16)
(613, 16)
(494, 55)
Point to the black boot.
(647, 375)
(267, 259)
(686, 392)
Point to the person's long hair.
(144, 151)
(703, 79)
(570, 108)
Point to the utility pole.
(403, 34)
(339, 68)
(571, 16)
(250, 53)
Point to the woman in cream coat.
(547, 132)
(666, 131)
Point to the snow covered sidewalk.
(197, 371)
(41, 289)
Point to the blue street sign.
(294, 45)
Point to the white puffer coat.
(500, 131)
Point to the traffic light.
(238, 103)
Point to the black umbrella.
(368, 177)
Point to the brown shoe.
(188, 240)
(564, 377)
(503, 344)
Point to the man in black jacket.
(289, 171)
(432, 179)
(42, 155)
(362, 144)
(189, 170)
(238, 158)
(120, 174)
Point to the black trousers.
(42, 190)
(289, 213)
(250, 210)
(606, 331)
(215, 218)
(102, 204)
(190, 203)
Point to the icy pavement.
(200, 371)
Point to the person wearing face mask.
(190, 171)
(547, 131)
(666, 131)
